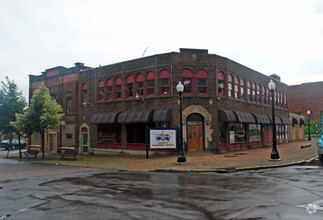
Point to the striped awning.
(140, 116)
(245, 117)
(104, 118)
(162, 115)
(227, 116)
(262, 119)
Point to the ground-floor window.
(237, 133)
(110, 133)
(280, 131)
(222, 133)
(254, 132)
(136, 133)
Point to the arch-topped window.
(254, 97)
(117, 88)
(268, 96)
(258, 93)
(236, 87)
(202, 82)
(129, 87)
(187, 81)
(230, 86)
(100, 91)
(140, 84)
(150, 85)
(109, 95)
(164, 82)
(249, 91)
(242, 87)
(221, 84)
(264, 95)
(84, 93)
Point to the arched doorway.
(195, 132)
(84, 140)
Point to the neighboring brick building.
(304, 97)
(226, 106)
(63, 86)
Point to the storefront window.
(136, 133)
(110, 133)
(237, 133)
(254, 132)
(222, 133)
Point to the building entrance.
(195, 132)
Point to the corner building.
(226, 106)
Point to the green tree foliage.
(43, 113)
(11, 103)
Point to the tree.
(43, 113)
(11, 103)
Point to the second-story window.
(258, 93)
(117, 88)
(150, 78)
(236, 87)
(254, 98)
(221, 84)
(109, 90)
(100, 91)
(187, 81)
(140, 85)
(84, 93)
(68, 97)
(164, 82)
(264, 95)
(230, 86)
(242, 84)
(129, 87)
(202, 82)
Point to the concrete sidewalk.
(290, 153)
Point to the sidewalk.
(290, 153)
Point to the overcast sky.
(284, 37)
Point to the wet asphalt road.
(48, 193)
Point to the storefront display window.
(109, 133)
(254, 132)
(222, 133)
(237, 133)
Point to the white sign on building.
(162, 138)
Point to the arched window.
(258, 93)
(236, 88)
(254, 98)
(264, 95)
(150, 85)
(109, 89)
(140, 84)
(285, 101)
(84, 93)
(242, 84)
(129, 87)
(276, 99)
(187, 81)
(268, 96)
(202, 82)
(221, 84)
(100, 91)
(164, 82)
(230, 86)
(117, 88)
(249, 92)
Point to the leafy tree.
(43, 113)
(11, 103)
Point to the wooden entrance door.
(195, 137)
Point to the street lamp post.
(309, 124)
(181, 157)
(274, 153)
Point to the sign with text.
(162, 138)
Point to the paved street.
(68, 192)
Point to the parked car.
(14, 144)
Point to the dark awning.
(141, 116)
(301, 122)
(104, 118)
(245, 117)
(285, 120)
(294, 121)
(162, 115)
(262, 119)
(227, 116)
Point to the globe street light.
(181, 157)
(274, 153)
(309, 124)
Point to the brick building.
(63, 86)
(304, 97)
(226, 106)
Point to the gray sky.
(284, 37)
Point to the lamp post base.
(181, 158)
(274, 155)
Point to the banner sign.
(162, 138)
